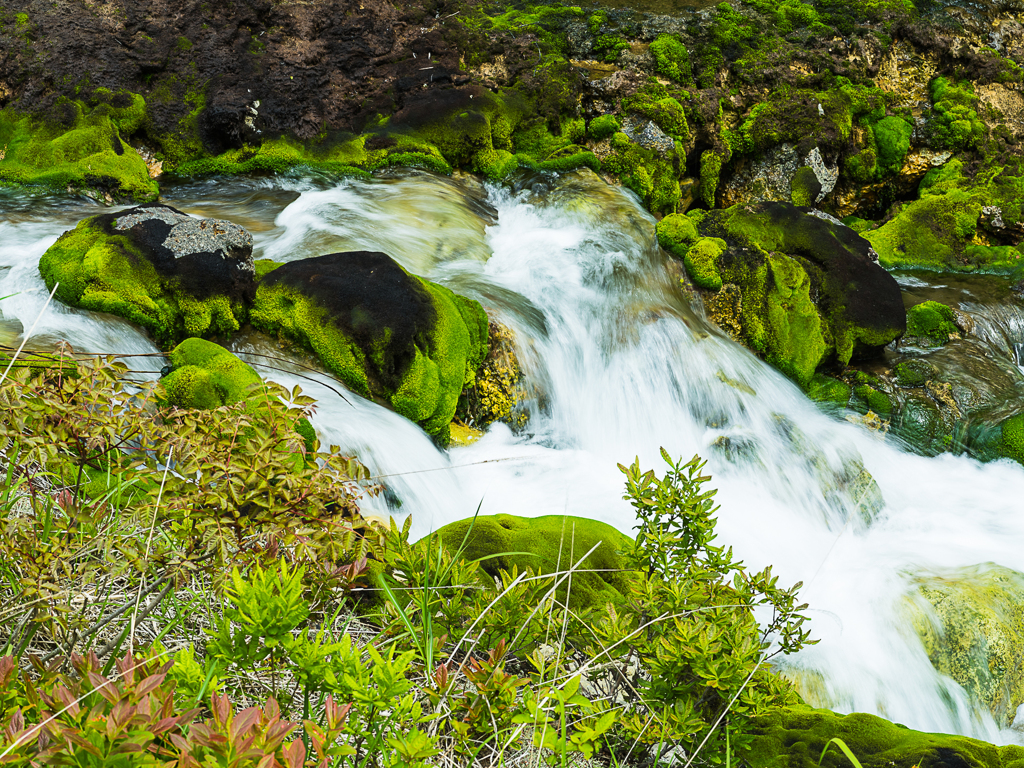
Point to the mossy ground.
(78, 147)
(547, 544)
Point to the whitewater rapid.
(621, 366)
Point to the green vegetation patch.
(78, 146)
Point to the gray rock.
(188, 235)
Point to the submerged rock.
(548, 544)
(172, 274)
(387, 334)
(799, 289)
(971, 622)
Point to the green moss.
(892, 136)
(107, 273)
(428, 390)
(796, 738)
(931, 320)
(825, 389)
(870, 399)
(667, 113)
(710, 170)
(548, 544)
(1012, 438)
(204, 375)
(83, 151)
(955, 124)
(604, 126)
(608, 47)
(671, 58)
(799, 341)
(913, 373)
(701, 262)
(676, 234)
(805, 187)
(653, 177)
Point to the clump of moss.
(805, 187)
(710, 170)
(955, 125)
(204, 375)
(603, 126)
(913, 373)
(701, 262)
(671, 58)
(651, 175)
(825, 389)
(79, 147)
(548, 544)
(677, 234)
(892, 137)
(496, 393)
(931, 320)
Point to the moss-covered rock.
(174, 275)
(204, 375)
(808, 291)
(932, 321)
(972, 625)
(652, 175)
(796, 738)
(548, 544)
(78, 146)
(387, 334)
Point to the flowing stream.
(620, 365)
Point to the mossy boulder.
(387, 334)
(805, 289)
(971, 622)
(78, 146)
(204, 375)
(795, 739)
(174, 275)
(1012, 438)
(548, 544)
(932, 321)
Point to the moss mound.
(387, 334)
(931, 320)
(548, 544)
(796, 738)
(805, 289)
(1012, 438)
(108, 264)
(975, 633)
(78, 146)
(204, 375)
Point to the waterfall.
(620, 365)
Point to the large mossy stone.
(973, 631)
(174, 275)
(204, 375)
(805, 289)
(387, 334)
(548, 544)
(795, 739)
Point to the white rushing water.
(622, 366)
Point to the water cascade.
(618, 365)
